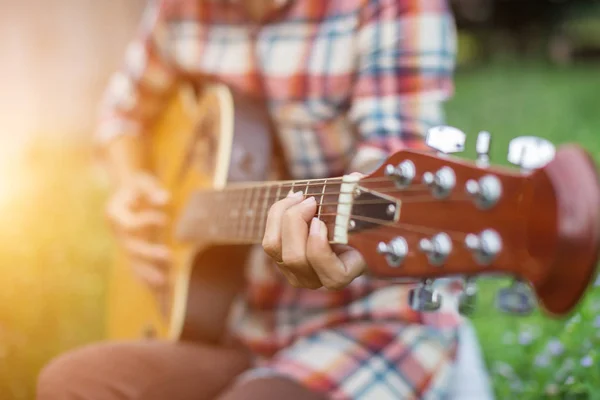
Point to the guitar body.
(199, 142)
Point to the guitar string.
(456, 237)
(261, 198)
(375, 202)
(296, 189)
(307, 182)
(381, 237)
(244, 218)
(337, 193)
(413, 228)
(268, 201)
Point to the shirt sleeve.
(406, 61)
(137, 91)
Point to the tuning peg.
(482, 147)
(485, 192)
(468, 298)
(394, 252)
(402, 174)
(485, 246)
(516, 299)
(446, 139)
(424, 298)
(438, 248)
(530, 152)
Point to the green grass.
(56, 247)
(563, 106)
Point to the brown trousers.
(158, 370)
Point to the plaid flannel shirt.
(347, 82)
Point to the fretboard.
(238, 214)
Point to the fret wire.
(256, 214)
(322, 196)
(249, 214)
(312, 182)
(263, 214)
(235, 216)
(236, 205)
(241, 216)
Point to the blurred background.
(526, 67)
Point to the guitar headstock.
(445, 216)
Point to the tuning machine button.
(485, 247)
(402, 174)
(394, 252)
(446, 139)
(482, 147)
(468, 298)
(530, 152)
(486, 192)
(438, 248)
(424, 298)
(441, 183)
(516, 299)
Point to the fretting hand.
(299, 244)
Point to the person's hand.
(298, 242)
(136, 212)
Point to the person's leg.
(358, 360)
(268, 388)
(141, 370)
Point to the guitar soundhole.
(149, 332)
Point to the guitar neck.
(238, 214)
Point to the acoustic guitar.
(420, 216)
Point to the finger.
(133, 222)
(146, 251)
(119, 205)
(152, 190)
(311, 282)
(334, 272)
(294, 232)
(272, 237)
(290, 277)
(150, 274)
(123, 217)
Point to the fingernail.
(309, 200)
(315, 227)
(296, 195)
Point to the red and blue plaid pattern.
(340, 76)
(363, 360)
(362, 342)
(347, 82)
